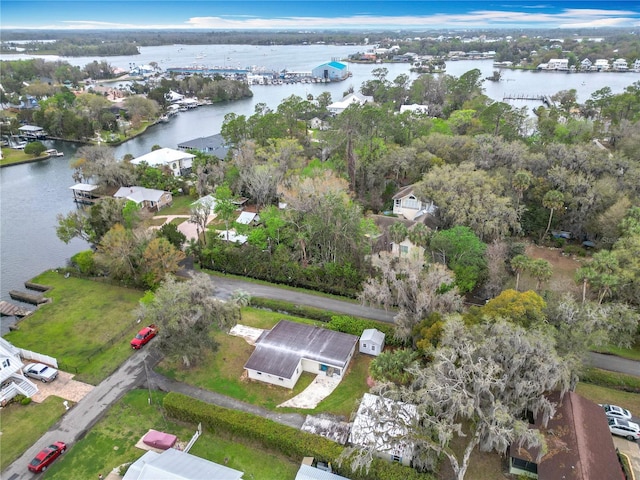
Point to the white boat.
(52, 152)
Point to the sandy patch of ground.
(64, 386)
(250, 334)
(321, 387)
(564, 269)
(188, 228)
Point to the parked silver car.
(615, 411)
(624, 428)
(41, 372)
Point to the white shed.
(372, 342)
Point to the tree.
(552, 200)
(120, 253)
(34, 148)
(414, 288)
(200, 211)
(186, 314)
(519, 264)
(521, 182)
(602, 273)
(463, 252)
(169, 231)
(541, 270)
(242, 299)
(477, 390)
(523, 308)
(161, 258)
(224, 207)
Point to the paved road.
(615, 364)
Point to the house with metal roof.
(289, 348)
(174, 464)
(348, 100)
(146, 197)
(307, 472)
(177, 161)
(579, 445)
(383, 425)
(331, 71)
(213, 145)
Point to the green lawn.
(598, 394)
(87, 326)
(12, 155)
(181, 205)
(111, 443)
(632, 353)
(223, 372)
(22, 425)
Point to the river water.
(31, 195)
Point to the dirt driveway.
(64, 387)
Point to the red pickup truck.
(143, 336)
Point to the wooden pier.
(38, 287)
(530, 97)
(8, 309)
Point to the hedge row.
(289, 441)
(355, 326)
(617, 381)
(289, 308)
(250, 261)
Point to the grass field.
(86, 327)
(12, 155)
(111, 443)
(24, 424)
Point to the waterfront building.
(332, 71)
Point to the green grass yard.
(111, 443)
(22, 425)
(86, 327)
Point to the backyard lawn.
(111, 443)
(86, 327)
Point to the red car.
(47, 456)
(143, 336)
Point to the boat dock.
(32, 298)
(8, 309)
(530, 97)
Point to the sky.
(316, 14)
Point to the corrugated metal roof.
(279, 351)
(310, 473)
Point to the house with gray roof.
(174, 464)
(213, 145)
(289, 348)
(307, 472)
(146, 197)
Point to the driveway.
(631, 450)
(64, 387)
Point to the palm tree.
(521, 182)
(241, 298)
(552, 200)
(541, 270)
(398, 232)
(519, 263)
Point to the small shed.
(372, 342)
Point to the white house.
(586, 64)
(174, 464)
(620, 65)
(601, 65)
(12, 381)
(307, 472)
(558, 64)
(409, 206)
(371, 342)
(353, 98)
(289, 348)
(178, 162)
(248, 218)
(146, 197)
(383, 425)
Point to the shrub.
(292, 309)
(34, 148)
(617, 381)
(25, 401)
(85, 262)
(575, 250)
(355, 326)
(289, 441)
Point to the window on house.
(398, 202)
(281, 379)
(373, 348)
(259, 373)
(364, 345)
(396, 458)
(411, 202)
(404, 249)
(6, 362)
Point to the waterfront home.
(409, 206)
(12, 380)
(149, 198)
(586, 64)
(636, 66)
(289, 348)
(601, 65)
(557, 64)
(177, 161)
(84, 193)
(620, 65)
(212, 145)
(32, 132)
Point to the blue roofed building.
(331, 72)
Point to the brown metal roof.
(579, 444)
(279, 351)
